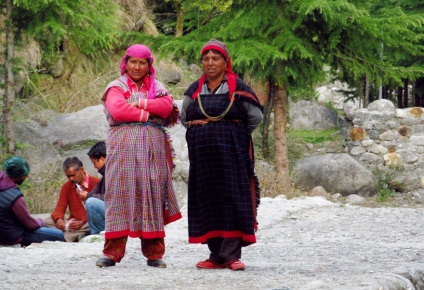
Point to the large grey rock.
(336, 173)
(382, 106)
(311, 116)
(77, 128)
(168, 72)
(44, 159)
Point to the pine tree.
(88, 26)
(289, 42)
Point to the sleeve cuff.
(144, 116)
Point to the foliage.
(307, 92)
(384, 179)
(290, 41)
(196, 13)
(314, 136)
(393, 48)
(89, 26)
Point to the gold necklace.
(216, 118)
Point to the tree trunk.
(9, 90)
(179, 29)
(399, 97)
(269, 104)
(367, 92)
(417, 100)
(405, 94)
(281, 161)
(419, 90)
(362, 92)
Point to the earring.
(148, 73)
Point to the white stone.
(391, 124)
(357, 150)
(401, 113)
(367, 142)
(378, 149)
(355, 199)
(389, 135)
(381, 106)
(417, 140)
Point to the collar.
(224, 80)
(132, 85)
(86, 183)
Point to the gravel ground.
(304, 243)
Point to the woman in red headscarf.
(139, 195)
(220, 112)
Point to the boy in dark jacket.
(94, 203)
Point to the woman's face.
(137, 68)
(213, 64)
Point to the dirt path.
(306, 243)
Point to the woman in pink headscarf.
(139, 197)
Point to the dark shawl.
(223, 190)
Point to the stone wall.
(382, 135)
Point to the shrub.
(384, 178)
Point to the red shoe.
(235, 265)
(209, 264)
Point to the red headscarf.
(222, 48)
(142, 51)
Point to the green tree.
(179, 17)
(57, 25)
(89, 26)
(287, 43)
(388, 56)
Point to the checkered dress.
(223, 190)
(139, 197)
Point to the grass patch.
(386, 188)
(313, 136)
(297, 141)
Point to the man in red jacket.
(17, 226)
(75, 226)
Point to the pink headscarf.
(141, 51)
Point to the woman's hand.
(134, 104)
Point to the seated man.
(17, 226)
(76, 226)
(94, 201)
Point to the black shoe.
(105, 262)
(156, 263)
